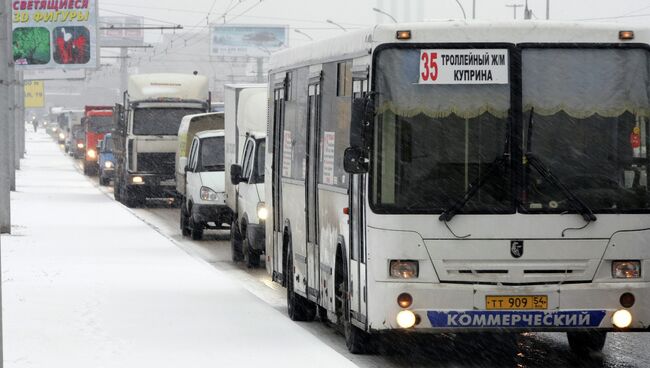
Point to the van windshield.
(212, 154)
(160, 121)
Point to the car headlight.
(626, 269)
(80, 145)
(262, 211)
(208, 194)
(108, 164)
(404, 269)
(91, 154)
(61, 136)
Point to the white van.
(245, 118)
(204, 202)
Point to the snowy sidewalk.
(87, 284)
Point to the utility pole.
(5, 166)
(473, 9)
(528, 13)
(548, 9)
(514, 7)
(11, 118)
(124, 69)
(21, 116)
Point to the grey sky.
(310, 15)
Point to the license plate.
(516, 302)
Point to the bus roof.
(362, 42)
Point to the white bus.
(460, 177)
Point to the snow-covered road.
(88, 284)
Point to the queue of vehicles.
(393, 185)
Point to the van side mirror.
(354, 161)
(187, 169)
(235, 174)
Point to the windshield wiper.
(474, 187)
(542, 169)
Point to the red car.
(98, 121)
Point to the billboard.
(238, 40)
(121, 35)
(59, 34)
(34, 94)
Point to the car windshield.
(433, 140)
(100, 124)
(212, 154)
(589, 127)
(160, 121)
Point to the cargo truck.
(146, 133)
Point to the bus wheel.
(298, 308)
(585, 342)
(356, 340)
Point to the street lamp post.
(336, 24)
(385, 13)
(303, 33)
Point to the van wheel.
(196, 229)
(252, 255)
(235, 243)
(298, 308)
(356, 340)
(585, 342)
(185, 221)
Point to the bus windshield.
(160, 121)
(590, 112)
(433, 141)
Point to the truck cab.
(146, 135)
(204, 205)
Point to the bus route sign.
(464, 66)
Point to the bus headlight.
(404, 269)
(262, 212)
(622, 318)
(92, 154)
(406, 319)
(137, 180)
(108, 164)
(208, 194)
(626, 269)
(61, 136)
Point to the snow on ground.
(87, 284)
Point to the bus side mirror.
(235, 174)
(354, 161)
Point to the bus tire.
(252, 256)
(298, 308)
(356, 340)
(235, 243)
(585, 342)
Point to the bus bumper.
(462, 308)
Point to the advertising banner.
(54, 34)
(236, 40)
(121, 31)
(34, 94)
